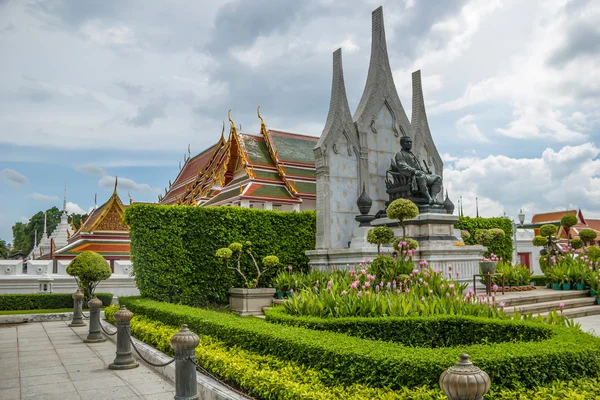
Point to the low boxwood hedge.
(567, 354)
(434, 331)
(267, 377)
(47, 301)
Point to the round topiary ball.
(548, 230)
(539, 240)
(576, 243)
(402, 209)
(224, 253)
(587, 235)
(270, 261)
(235, 247)
(380, 235)
(89, 268)
(568, 220)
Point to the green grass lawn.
(18, 312)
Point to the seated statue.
(409, 179)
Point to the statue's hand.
(419, 173)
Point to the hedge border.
(568, 354)
(431, 332)
(45, 301)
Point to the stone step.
(578, 312)
(278, 301)
(547, 296)
(543, 307)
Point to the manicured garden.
(385, 329)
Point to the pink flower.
(451, 287)
(343, 293)
(448, 295)
(329, 288)
(354, 284)
(425, 283)
(407, 290)
(495, 288)
(359, 294)
(430, 291)
(289, 267)
(291, 290)
(367, 285)
(562, 306)
(442, 286)
(501, 304)
(423, 298)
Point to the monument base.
(439, 244)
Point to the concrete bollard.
(184, 345)
(95, 335)
(124, 359)
(77, 306)
(464, 381)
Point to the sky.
(94, 89)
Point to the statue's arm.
(403, 167)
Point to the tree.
(402, 209)
(380, 235)
(587, 235)
(76, 219)
(24, 234)
(4, 252)
(20, 238)
(568, 221)
(89, 269)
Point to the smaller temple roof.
(555, 216)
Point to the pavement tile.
(89, 375)
(92, 366)
(36, 352)
(39, 364)
(42, 371)
(9, 373)
(160, 396)
(43, 391)
(10, 394)
(99, 383)
(9, 383)
(146, 388)
(9, 355)
(44, 380)
(109, 393)
(39, 358)
(79, 360)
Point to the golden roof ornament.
(130, 199)
(116, 183)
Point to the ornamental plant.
(402, 209)
(587, 235)
(380, 235)
(89, 269)
(486, 237)
(236, 250)
(568, 221)
(576, 243)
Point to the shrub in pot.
(486, 237)
(251, 299)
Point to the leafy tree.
(568, 221)
(4, 252)
(402, 209)
(76, 219)
(20, 238)
(380, 235)
(89, 269)
(587, 235)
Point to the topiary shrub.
(402, 209)
(384, 267)
(587, 235)
(502, 248)
(548, 230)
(576, 243)
(380, 235)
(593, 253)
(486, 237)
(539, 240)
(89, 269)
(568, 221)
(235, 249)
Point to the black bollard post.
(77, 305)
(184, 345)
(124, 359)
(95, 335)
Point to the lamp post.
(521, 221)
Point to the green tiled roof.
(267, 175)
(257, 150)
(272, 191)
(309, 173)
(224, 196)
(295, 149)
(306, 187)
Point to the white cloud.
(108, 182)
(73, 208)
(13, 177)
(469, 129)
(24, 219)
(43, 197)
(560, 179)
(90, 169)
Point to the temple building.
(273, 170)
(102, 232)
(554, 218)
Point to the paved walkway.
(49, 361)
(590, 324)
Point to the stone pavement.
(590, 324)
(49, 361)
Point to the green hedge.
(568, 354)
(502, 248)
(173, 247)
(540, 280)
(436, 331)
(47, 301)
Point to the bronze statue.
(409, 179)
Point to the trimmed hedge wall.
(47, 301)
(502, 248)
(173, 248)
(568, 354)
(438, 331)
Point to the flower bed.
(433, 331)
(567, 354)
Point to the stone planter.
(487, 267)
(250, 301)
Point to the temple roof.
(271, 165)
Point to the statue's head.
(406, 142)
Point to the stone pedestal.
(437, 239)
(250, 301)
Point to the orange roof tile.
(551, 217)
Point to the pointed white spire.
(35, 238)
(45, 234)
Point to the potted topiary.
(487, 237)
(380, 235)
(89, 269)
(251, 299)
(588, 236)
(402, 209)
